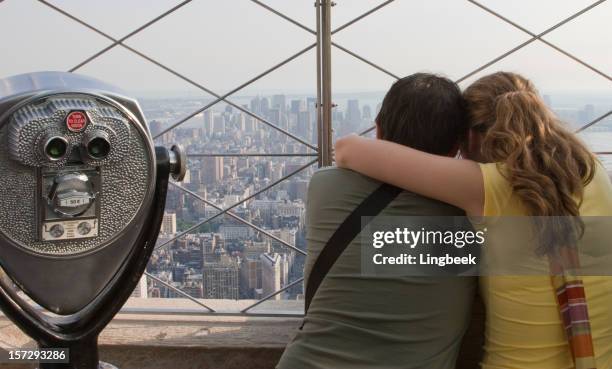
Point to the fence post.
(324, 89)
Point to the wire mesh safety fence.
(319, 154)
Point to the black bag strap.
(342, 237)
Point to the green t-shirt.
(358, 321)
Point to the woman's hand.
(343, 147)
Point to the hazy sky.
(221, 44)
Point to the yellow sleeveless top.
(523, 327)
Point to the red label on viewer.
(76, 121)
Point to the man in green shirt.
(361, 321)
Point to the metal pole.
(319, 102)
(326, 90)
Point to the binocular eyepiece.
(96, 145)
(55, 147)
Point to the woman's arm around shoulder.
(454, 181)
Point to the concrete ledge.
(142, 342)
(137, 341)
(127, 357)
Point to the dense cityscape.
(249, 252)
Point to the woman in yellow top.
(520, 161)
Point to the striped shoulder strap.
(573, 307)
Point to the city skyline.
(227, 258)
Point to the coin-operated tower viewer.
(82, 197)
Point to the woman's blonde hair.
(546, 165)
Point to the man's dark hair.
(425, 112)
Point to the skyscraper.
(264, 106)
(250, 277)
(303, 124)
(256, 105)
(221, 280)
(275, 116)
(311, 104)
(353, 113)
(274, 273)
(208, 122)
(279, 102)
(168, 224)
(297, 106)
(249, 124)
(213, 170)
(240, 122)
(155, 127)
(141, 289)
(219, 124)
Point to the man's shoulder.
(339, 185)
(340, 180)
(335, 172)
(335, 185)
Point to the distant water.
(600, 141)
